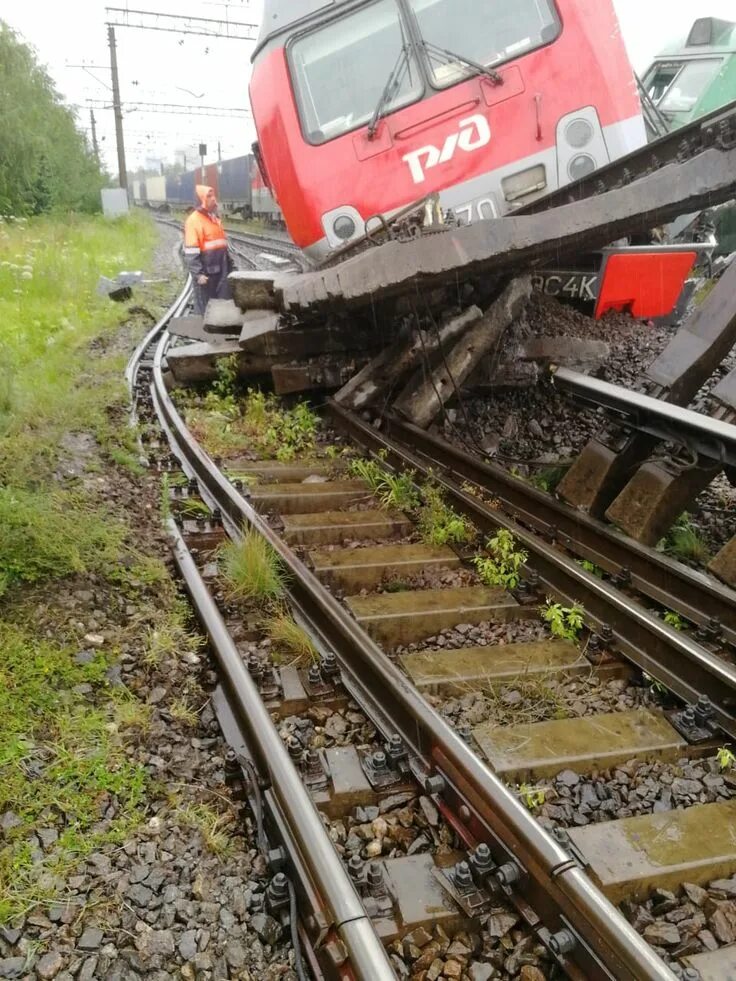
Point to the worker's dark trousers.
(217, 288)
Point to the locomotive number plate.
(568, 285)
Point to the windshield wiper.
(393, 85)
(450, 56)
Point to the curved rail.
(550, 880)
(175, 310)
(368, 957)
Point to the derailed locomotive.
(364, 108)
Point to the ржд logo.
(474, 133)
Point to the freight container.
(235, 192)
(264, 203)
(188, 198)
(156, 190)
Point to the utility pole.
(117, 108)
(95, 147)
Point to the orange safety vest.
(204, 238)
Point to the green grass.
(65, 762)
(62, 757)
(289, 638)
(439, 524)
(683, 542)
(393, 490)
(212, 825)
(49, 387)
(48, 533)
(226, 425)
(251, 569)
(49, 313)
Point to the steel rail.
(670, 657)
(253, 238)
(694, 595)
(712, 438)
(175, 310)
(316, 851)
(550, 880)
(367, 954)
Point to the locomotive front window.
(483, 31)
(689, 85)
(341, 71)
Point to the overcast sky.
(160, 67)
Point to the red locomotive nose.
(364, 111)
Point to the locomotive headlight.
(580, 166)
(581, 145)
(343, 227)
(579, 133)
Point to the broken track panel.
(507, 246)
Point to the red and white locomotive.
(365, 107)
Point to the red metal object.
(212, 178)
(510, 129)
(645, 282)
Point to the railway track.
(403, 630)
(255, 251)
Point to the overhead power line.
(152, 20)
(156, 21)
(174, 109)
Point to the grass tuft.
(685, 543)
(289, 638)
(212, 826)
(439, 524)
(251, 569)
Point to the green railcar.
(691, 77)
(694, 75)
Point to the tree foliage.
(45, 162)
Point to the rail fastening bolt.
(462, 875)
(434, 784)
(355, 867)
(395, 746)
(508, 874)
(374, 877)
(378, 759)
(278, 887)
(562, 942)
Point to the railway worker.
(206, 251)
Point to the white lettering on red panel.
(474, 133)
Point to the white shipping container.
(156, 190)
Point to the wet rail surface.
(508, 854)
